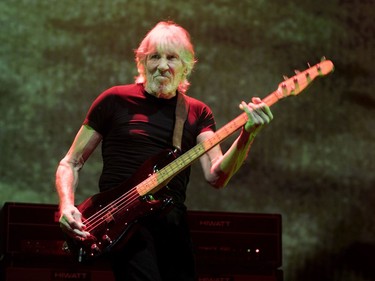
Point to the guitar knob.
(94, 249)
(107, 239)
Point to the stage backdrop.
(314, 164)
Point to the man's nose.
(163, 64)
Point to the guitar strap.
(182, 109)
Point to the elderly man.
(134, 122)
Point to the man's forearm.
(233, 159)
(66, 183)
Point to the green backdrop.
(314, 164)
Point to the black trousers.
(160, 250)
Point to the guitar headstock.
(297, 83)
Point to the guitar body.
(111, 217)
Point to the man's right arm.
(85, 142)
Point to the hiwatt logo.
(215, 223)
(70, 275)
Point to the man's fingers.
(260, 109)
(80, 234)
(256, 100)
(73, 226)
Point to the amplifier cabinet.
(224, 242)
(31, 230)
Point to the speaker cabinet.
(228, 246)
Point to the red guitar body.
(112, 216)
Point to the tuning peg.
(296, 71)
(323, 58)
(308, 64)
(285, 77)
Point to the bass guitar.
(112, 216)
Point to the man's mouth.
(162, 78)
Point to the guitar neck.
(292, 86)
(220, 135)
(161, 177)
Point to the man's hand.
(258, 113)
(71, 223)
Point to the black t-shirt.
(136, 126)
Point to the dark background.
(314, 164)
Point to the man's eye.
(154, 56)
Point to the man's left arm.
(219, 168)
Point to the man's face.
(164, 73)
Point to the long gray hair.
(166, 36)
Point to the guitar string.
(119, 204)
(125, 200)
